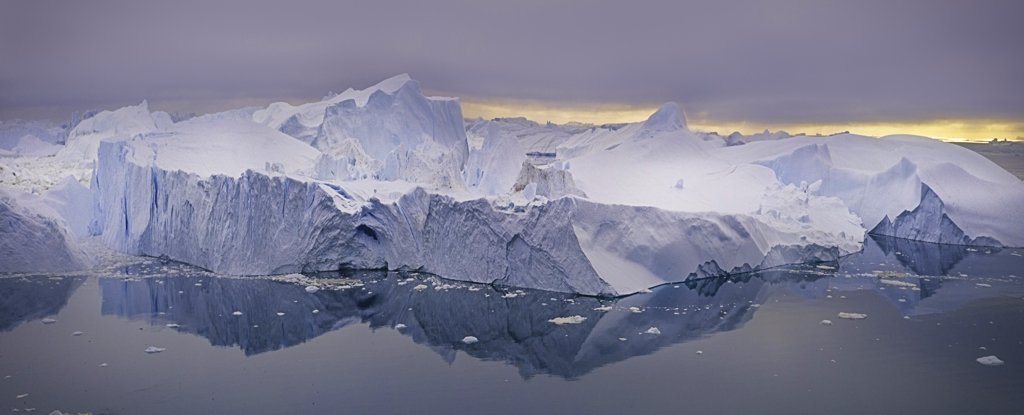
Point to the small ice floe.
(312, 289)
(236, 313)
(852, 316)
(48, 320)
(400, 326)
(470, 339)
(636, 310)
(154, 349)
(603, 308)
(316, 311)
(990, 361)
(981, 284)
(568, 320)
(279, 314)
(172, 325)
(653, 330)
(897, 283)
(198, 284)
(420, 287)
(755, 305)
(22, 396)
(982, 348)
(902, 300)
(825, 267)
(622, 339)
(700, 352)
(510, 295)
(826, 322)
(77, 333)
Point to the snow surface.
(389, 178)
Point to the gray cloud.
(761, 61)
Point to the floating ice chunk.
(622, 339)
(981, 284)
(48, 320)
(470, 339)
(510, 295)
(173, 325)
(77, 333)
(279, 314)
(420, 287)
(852, 316)
(236, 313)
(104, 365)
(990, 361)
(826, 322)
(312, 289)
(154, 349)
(400, 326)
(700, 352)
(635, 309)
(567, 320)
(653, 330)
(316, 311)
(22, 396)
(896, 283)
(603, 308)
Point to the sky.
(952, 69)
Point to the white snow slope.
(389, 178)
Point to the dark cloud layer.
(780, 61)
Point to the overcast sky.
(754, 61)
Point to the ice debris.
(990, 361)
(567, 320)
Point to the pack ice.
(389, 178)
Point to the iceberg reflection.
(515, 326)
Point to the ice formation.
(389, 178)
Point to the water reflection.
(514, 326)
(27, 298)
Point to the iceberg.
(388, 178)
(34, 238)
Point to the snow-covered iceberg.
(387, 178)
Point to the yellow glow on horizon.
(943, 129)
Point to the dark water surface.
(749, 344)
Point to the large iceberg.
(387, 178)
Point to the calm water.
(751, 344)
